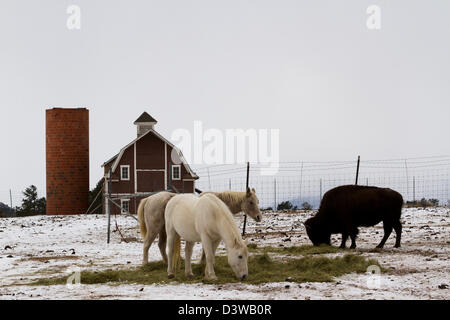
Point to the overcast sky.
(334, 88)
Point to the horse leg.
(387, 232)
(398, 232)
(171, 238)
(202, 259)
(162, 241)
(215, 245)
(149, 238)
(209, 252)
(188, 257)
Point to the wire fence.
(307, 181)
(299, 182)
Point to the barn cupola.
(144, 123)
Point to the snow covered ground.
(42, 246)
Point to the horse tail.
(141, 217)
(176, 256)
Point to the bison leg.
(344, 240)
(353, 237)
(398, 233)
(387, 232)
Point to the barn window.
(176, 172)
(124, 172)
(125, 205)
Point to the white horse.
(151, 215)
(206, 219)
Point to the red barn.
(148, 163)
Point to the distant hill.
(6, 211)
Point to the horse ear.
(253, 190)
(248, 192)
(246, 242)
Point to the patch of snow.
(34, 247)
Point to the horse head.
(251, 205)
(238, 258)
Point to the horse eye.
(251, 202)
(240, 257)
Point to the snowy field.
(42, 246)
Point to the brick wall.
(67, 155)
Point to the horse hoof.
(352, 247)
(211, 279)
(190, 276)
(171, 276)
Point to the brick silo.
(67, 153)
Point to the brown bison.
(345, 208)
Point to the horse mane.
(233, 199)
(227, 215)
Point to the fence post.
(414, 189)
(301, 182)
(407, 184)
(320, 191)
(229, 183)
(275, 194)
(246, 188)
(109, 207)
(209, 179)
(357, 171)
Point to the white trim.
(179, 171)
(183, 160)
(106, 193)
(121, 176)
(165, 165)
(135, 173)
(121, 205)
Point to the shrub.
(286, 205)
(306, 206)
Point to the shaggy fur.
(151, 215)
(151, 222)
(240, 201)
(209, 220)
(345, 208)
(237, 201)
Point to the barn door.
(149, 181)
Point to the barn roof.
(145, 117)
(180, 154)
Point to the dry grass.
(262, 269)
(299, 250)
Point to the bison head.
(317, 233)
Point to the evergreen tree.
(31, 204)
